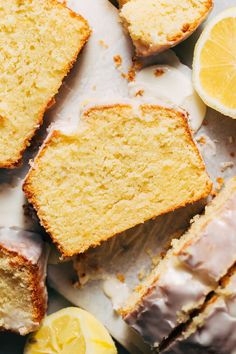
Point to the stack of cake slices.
(212, 330)
(190, 271)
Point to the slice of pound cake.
(213, 329)
(190, 270)
(40, 40)
(125, 164)
(23, 295)
(156, 25)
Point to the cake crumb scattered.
(141, 274)
(139, 93)
(230, 139)
(103, 44)
(159, 72)
(117, 60)
(220, 184)
(120, 277)
(201, 139)
(225, 165)
(131, 74)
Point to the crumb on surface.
(103, 44)
(117, 60)
(120, 277)
(226, 165)
(201, 139)
(159, 72)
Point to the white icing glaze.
(215, 251)
(188, 277)
(172, 86)
(117, 291)
(217, 331)
(157, 315)
(16, 320)
(27, 244)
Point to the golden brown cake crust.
(38, 295)
(13, 163)
(30, 193)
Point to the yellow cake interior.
(155, 25)
(123, 166)
(39, 41)
(17, 311)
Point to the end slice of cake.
(156, 25)
(124, 165)
(190, 270)
(23, 294)
(40, 41)
(213, 329)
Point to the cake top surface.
(25, 243)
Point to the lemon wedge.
(70, 331)
(214, 64)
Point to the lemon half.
(214, 64)
(70, 331)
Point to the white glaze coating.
(188, 278)
(215, 251)
(171, 85)
(217, 331)
(157, 315)
(116, 290)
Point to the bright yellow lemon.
(68, 331)
(214, 64)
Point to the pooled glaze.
(172, 86)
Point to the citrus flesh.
(68, 331)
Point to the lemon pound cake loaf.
(40, 41)
(190, 270)
(125, 164)
(156, 25)
(213, 329)
(23, 295)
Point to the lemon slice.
(214, 64)
(70, 331)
